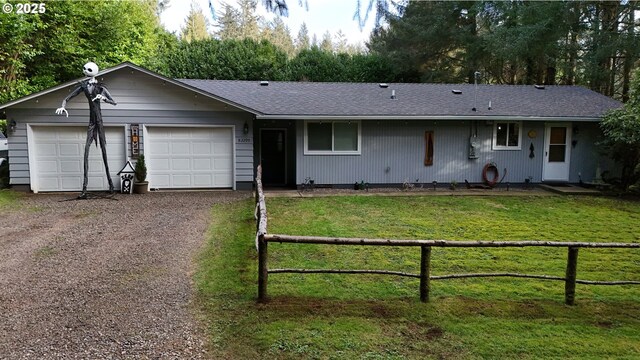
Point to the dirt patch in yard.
(102, 278)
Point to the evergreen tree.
(327, 43)
(228, 23)
(249, 20)
(302, 41)
(196, 24)
(340, 42)
(279, 35)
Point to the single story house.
(213, 134)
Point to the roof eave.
(429, 117)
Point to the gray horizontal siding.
(141, 100)
(393, 152)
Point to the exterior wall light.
(12, 125)
(245, 129)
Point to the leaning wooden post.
(570, 277)
(425, 272)
(263, 271)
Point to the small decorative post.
(425, 273)
(570, 278)
(263, 271)
(126, 178)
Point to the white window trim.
(495, 146)
(332, 152)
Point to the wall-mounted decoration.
(532, 134)
(135, 140)
(428, 155)
(531, 151)
(473, 147)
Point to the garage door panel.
(69, 150)
(158, 165)
(49, 182)
(50, 166)
(59, 158)
(202, 180)
(71, 183)
(180, 164)
(181, 180)
(202, 164)
(222, 149)
(221, 164)
(160, 148)
(198, 157)
(223, 180)
(180, 148)
(50, 149)
(73, 166)
(96, 166)
(201, 148)
(161, 181)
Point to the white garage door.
(59, 157)
(189, 157)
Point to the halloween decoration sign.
(95, 93)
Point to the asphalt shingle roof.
(369, 99)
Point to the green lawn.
(8, 198)
(380, 317)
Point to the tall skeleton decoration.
(95, 92)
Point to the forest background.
(595, 44)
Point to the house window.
(507, 135)
(332, 137)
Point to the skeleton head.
(90, 69)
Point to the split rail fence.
(570, 280)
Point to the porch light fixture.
(245, 129)
(12, 125)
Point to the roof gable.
(141, 80)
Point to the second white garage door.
(185, 158)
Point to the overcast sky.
(323, 15)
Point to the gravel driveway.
(101, 278)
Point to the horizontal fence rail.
(439, 243)
(570, 280)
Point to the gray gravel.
(101, 278)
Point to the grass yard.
(320, 316)
(8, 198)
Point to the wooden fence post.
(570, 277)
(262, 269)
(425, 272)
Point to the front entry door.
(273, 156)
(557, 152)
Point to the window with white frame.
(507, 135)
(332, 137)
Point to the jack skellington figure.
(95, 92)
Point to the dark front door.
(273, 156)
